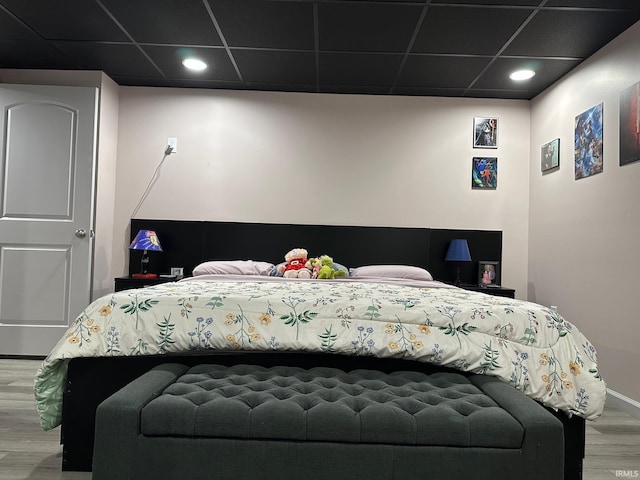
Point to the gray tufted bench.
(251, 422)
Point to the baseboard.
(624, 403)
(22, 357)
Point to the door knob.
(81, 233)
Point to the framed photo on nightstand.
(488, 273)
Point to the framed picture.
(550, 155)
(630, 124)
(488, 273)
(484, 173)
(588, 145)
(485, 132)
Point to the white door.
(46, 212)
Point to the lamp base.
(144, 275)
(457, 282)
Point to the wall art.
(630, 124)
(588, 143)
(484, 173)
(550, 155)
(485, 132)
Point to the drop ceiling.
(452, 48)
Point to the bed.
(233, 311)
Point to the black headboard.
(188, 243)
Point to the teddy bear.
(326, 269)
(295, 266)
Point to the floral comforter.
(525, 344)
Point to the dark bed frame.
(188, 243)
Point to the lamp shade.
(146, 240)
(458, 251)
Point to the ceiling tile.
(609, 4)
(271, 66)
(266, 24)
(165, 21)
(359, 69)
(33, 54)
(480, 31)
(429, 92)
(366, 26)
(506, 94)
(354, 90)
(566, 33)
(441, 72)
(524, 3)
(54, 20)
(12, 29)
(282, 87)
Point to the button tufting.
(326, 404)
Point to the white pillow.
(392, 271)
(233, 267)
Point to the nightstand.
(497, 291)
(125, 283)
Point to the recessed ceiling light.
(194, 64)
(522, 75)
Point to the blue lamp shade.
(458, 251)
(146, 240)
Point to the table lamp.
(145, 240)
(458, 252)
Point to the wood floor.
(28, 452)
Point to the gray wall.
(583, 242)
(326, 159)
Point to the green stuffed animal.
(326, 269)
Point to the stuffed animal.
(326, 270)
(314, 265)
(296, 264)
